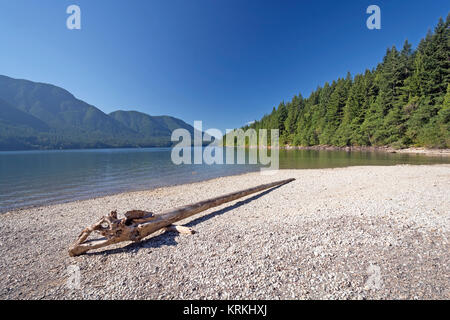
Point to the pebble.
(315, 238)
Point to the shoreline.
(387, 149)
(313, 238)
(8, 211)
(411, 150)
(13, 210)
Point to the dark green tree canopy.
(404, 101)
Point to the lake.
(30, 178)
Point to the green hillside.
(404, 101)
(42, 116)
(149, 125)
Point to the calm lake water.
(29, 178)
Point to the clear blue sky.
(226, 62)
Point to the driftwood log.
(138, 224)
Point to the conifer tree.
(403, 101)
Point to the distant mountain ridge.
(43, 116)
(149, 125)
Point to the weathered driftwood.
(138, 224)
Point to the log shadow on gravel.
(168, 238)
(229, 208)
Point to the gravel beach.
(344, 233)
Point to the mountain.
(16, 126)
(404, 101)
(43, 116)
(149, 125)
(13, 117)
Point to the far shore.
(416, 150)
(410, 150)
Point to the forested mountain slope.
(42, 116)
(404, 101)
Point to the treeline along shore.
(403, 102)
(387, 149)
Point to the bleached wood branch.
(137, 224)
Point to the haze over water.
(30, 178)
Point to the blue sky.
(226, 62)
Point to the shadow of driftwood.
(168, 238)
